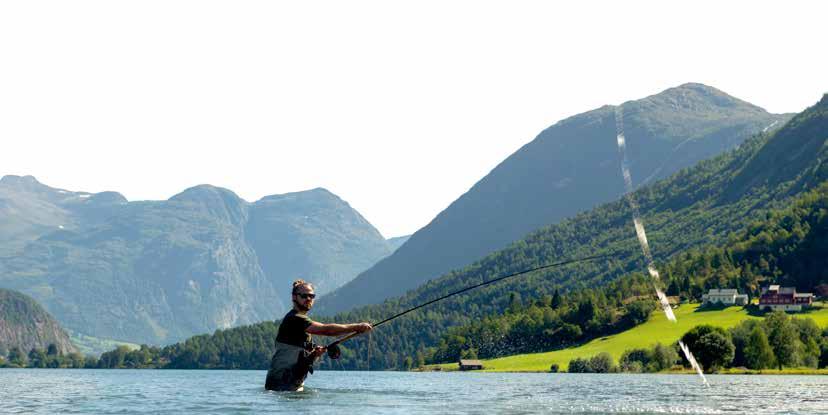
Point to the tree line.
(777, 341)
(533, 314)
(786, 245)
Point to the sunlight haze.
(396, 107)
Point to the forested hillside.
(25, 325)
(789, 246)
(689, 210)
(569, 168)
(702, 235)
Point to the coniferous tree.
(17, 357)
(685, 285)
(556, 300)
(673, 289)
(37, 358)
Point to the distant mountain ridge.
(691, 210)
(695, 230)
(30, 209)
(25, 325)
(570, 167)
(398, 241)
(159, 271)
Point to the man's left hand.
(319, 351)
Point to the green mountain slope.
(656, 329)
(683, 214)
(688, 210)
(160, 271)
(569, 168)
(25, 325)
(789, 246)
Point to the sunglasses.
(305, 296)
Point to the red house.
(784, 298)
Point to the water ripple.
(44, 391)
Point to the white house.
(726, 296)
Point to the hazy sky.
(397, 107)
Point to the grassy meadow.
(656, 329)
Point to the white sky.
(397, 107)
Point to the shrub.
(635, 360)
(710, 345)
(579, 365)
(663, 358)
(601, 363)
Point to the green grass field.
(657, 329)
(89, 345)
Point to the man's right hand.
(362, 327)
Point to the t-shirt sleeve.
(303, 321)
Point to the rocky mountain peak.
(24, 324)
(217, 201)
(205, 192)
(823, 103)
(107, 198)
(697, 97)
(314, 199)
(22, 183)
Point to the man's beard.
(301, 307)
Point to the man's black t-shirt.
(292, 329)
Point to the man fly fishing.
(295, 352)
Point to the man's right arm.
(333, 329)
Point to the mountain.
(727, 201)
(569, 168)
(24, 324)
(398, 241)
(160, 271)
(29, 210)
(696, 229)
(320, 238)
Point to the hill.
(569, 168)
(656, 329)
(25, 325)
(690, 210)
(160, 271)
(702, 238)
(398, 241)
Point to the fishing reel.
(334, 352)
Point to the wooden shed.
(466, 364)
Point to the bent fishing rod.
(333, 348)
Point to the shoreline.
(730, 371)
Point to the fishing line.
(642, 234)
(333, 348)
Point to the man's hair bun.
(299, 283)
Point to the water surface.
(46, 391)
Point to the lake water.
(48, 391)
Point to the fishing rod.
(333, 348)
